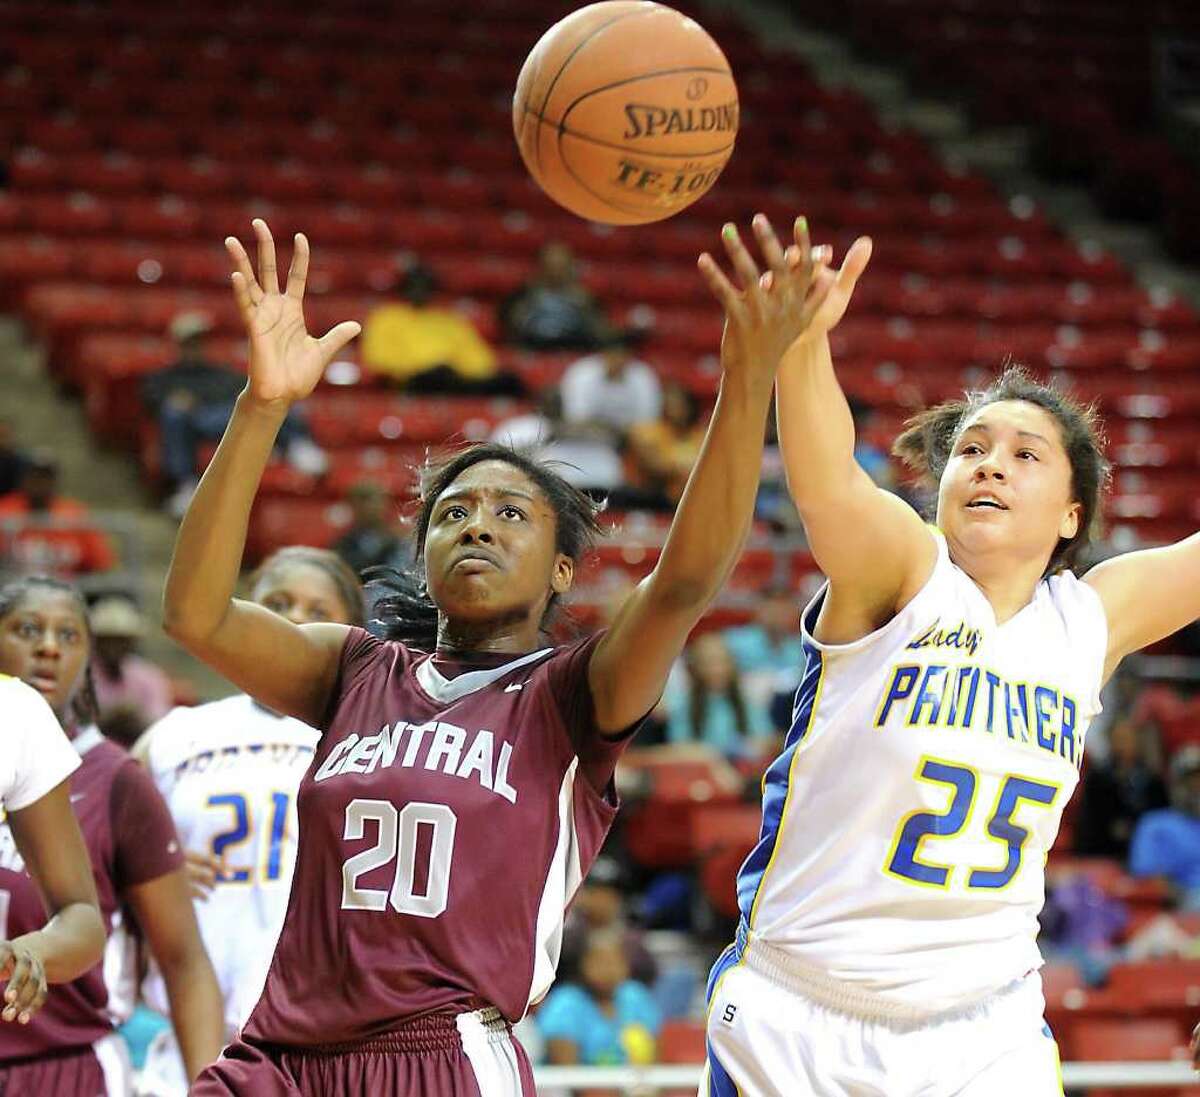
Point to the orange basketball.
(625, 112)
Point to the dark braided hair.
(928, 440)
(404, 609)
(84, 706)
(341, 574)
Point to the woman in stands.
(229, 771)
(888, 938)
(463, 781)
(70, 1048)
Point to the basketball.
(625, 112)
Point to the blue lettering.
(1045, 701)
(904, 678)
(929, 696)
(1067, 734)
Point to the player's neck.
(1008, 589)
(511, 637)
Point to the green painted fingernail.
(803, 223)
(729, 232)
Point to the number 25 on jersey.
(909, 856)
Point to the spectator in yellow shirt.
(427, 349)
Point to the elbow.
(185, 966)
(184, 624)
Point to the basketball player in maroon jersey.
(70, 1048)
(459, 792)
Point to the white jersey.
(229, 772)
(906, 824)
(35, 753)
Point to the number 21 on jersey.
(911, 859)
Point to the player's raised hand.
(769, 310)
(285, 361)
(831, 290)
(25, 993)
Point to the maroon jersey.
(448, 817)
(130, 840)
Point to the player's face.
(303, 594)
(1007, 486)
(44, 642)
(491, 548)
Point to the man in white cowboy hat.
(131, 692)
(193, 399)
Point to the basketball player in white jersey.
(887, 946)
(229, 771)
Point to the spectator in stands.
(587, 458)
(600, 906)
(1117, 792)
(192, 400)
(374, 538)
(711, 707)
(553, 310)
(428, 349)
(42, 531)
(610, 392)
(768, 653)
(662, 451)
(13, 461)
(131, 692)
(607, 1018)
(1166, 843)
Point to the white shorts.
(768, 1041)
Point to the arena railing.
(657, 1079)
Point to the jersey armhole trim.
(808, 619)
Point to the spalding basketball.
(625, 112)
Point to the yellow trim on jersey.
(791, 785)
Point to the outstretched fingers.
(337, 337)
(242, 261)
(298, 271)
(768, 243)
(268, 273)
(744, 265)
(854, 264)
(719, 285)
(241, 294)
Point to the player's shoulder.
(24, 708)
(187, 728)
(15, 692)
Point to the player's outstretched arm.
(871, 545)
(1147, 595)
(47, 837)
(287, 667)
(762, 317)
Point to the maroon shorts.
(468, 1055)
(101, 1070)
